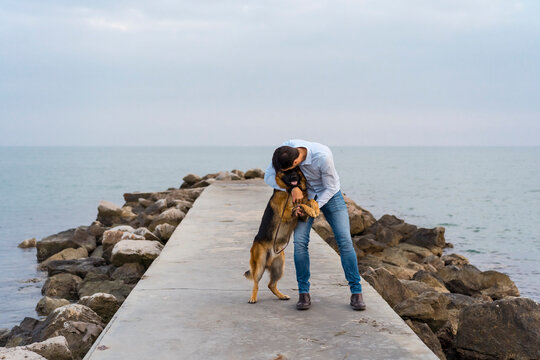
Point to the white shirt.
(318, 168)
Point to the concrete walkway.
(192, 302)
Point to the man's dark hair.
(284, 157)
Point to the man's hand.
(297, 195)
(299, 211)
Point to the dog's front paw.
(252, 301)
(309, 211)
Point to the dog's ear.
(280, 182)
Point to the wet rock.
(503, 329)
(425, 333)
(28, 243)
(254, 174)
(19, 354)
(129, 273)
(432, 239)
(468, 280)
(79, 324)
(66, 254)
(141, 251)
(62, 286)
(47, 304)
(171, 216)
(21, 334)
(79, 267)
(388, 286)
(118, 288)
(55, 348)
(454, 259)
(105, 305)
(164, 231)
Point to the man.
(317, 164)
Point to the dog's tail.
(248, 275)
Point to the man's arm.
(330, 180)
(270, 177)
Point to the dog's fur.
(263, 255)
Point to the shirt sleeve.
(330, 180)
(270, 177)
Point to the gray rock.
(55, 348)
(112, 237)
(223, 175)
(28, 243)
(62, 286)
(105, 305)
(434, 261)
(21, 334)
(388, 286)
(135, 196)
(84, 238)
(97, 229)
(109, 213)
(164, 231)
(47, 304)
(129, 273)
(79, 324)
(98, 253)
(432, 280)
(145, 202)
(66, 254)
(147, 234)
(171, 216)
(4, 335)
(157, 207)
(238, 173)
(117, 288)
(425, 333)
(203, 183)
(191, 179)
(19, 354)
(454, 259)
(432, 239)
(254, 174)
(79, 267)
(55, 243)
(359, 219)
(503, 329)
(416, 287)
(183, 205)
(468, 280)
(139, 251)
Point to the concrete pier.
(192, 303)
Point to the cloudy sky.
(231, 72)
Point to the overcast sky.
(172, 72)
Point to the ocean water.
(488, 199)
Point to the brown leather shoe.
(304, 302)
(357, 302)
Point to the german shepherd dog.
(277, 225)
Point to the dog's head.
(291, 178)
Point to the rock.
(432, 280)
(164, 231)
(145, 202)
(238, 173)
(109, 213)
(416, 287)
(503, 329)
(47, 304)
(4, 334)
(157, 207)
(385, 235)
(454, 259)
(141, 251)
(62, 286)
(129, 273)
(468, 280)
(135, 196)
(359, 219)
(397, 257)
(105, 305)
(19, 354)
(419, 251)
(254, 173)
(235, 177)
(368, 244)
(79, 324)
(112, 237)
(55, 243)
(21, 334)
(145, 233)
(117, 288)
(98, 253)
(203, 183)
(66, 254)
(427, 336)
(96, 229)
(388, 286)
(28, 243)
(434, 261)
(223, 175)
(191, 179)
(83, 238)
(55, 348)
(183, 205)
(79, 267)
(432, 239)
(170, 216)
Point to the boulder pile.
(92, 269)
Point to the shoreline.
(97, 267)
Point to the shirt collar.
(307, 160)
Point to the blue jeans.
(335, 211)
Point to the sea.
(487, 198)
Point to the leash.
(277, 231)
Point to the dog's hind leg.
(257, 265)
(276, 271)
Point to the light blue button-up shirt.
(318, 168)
